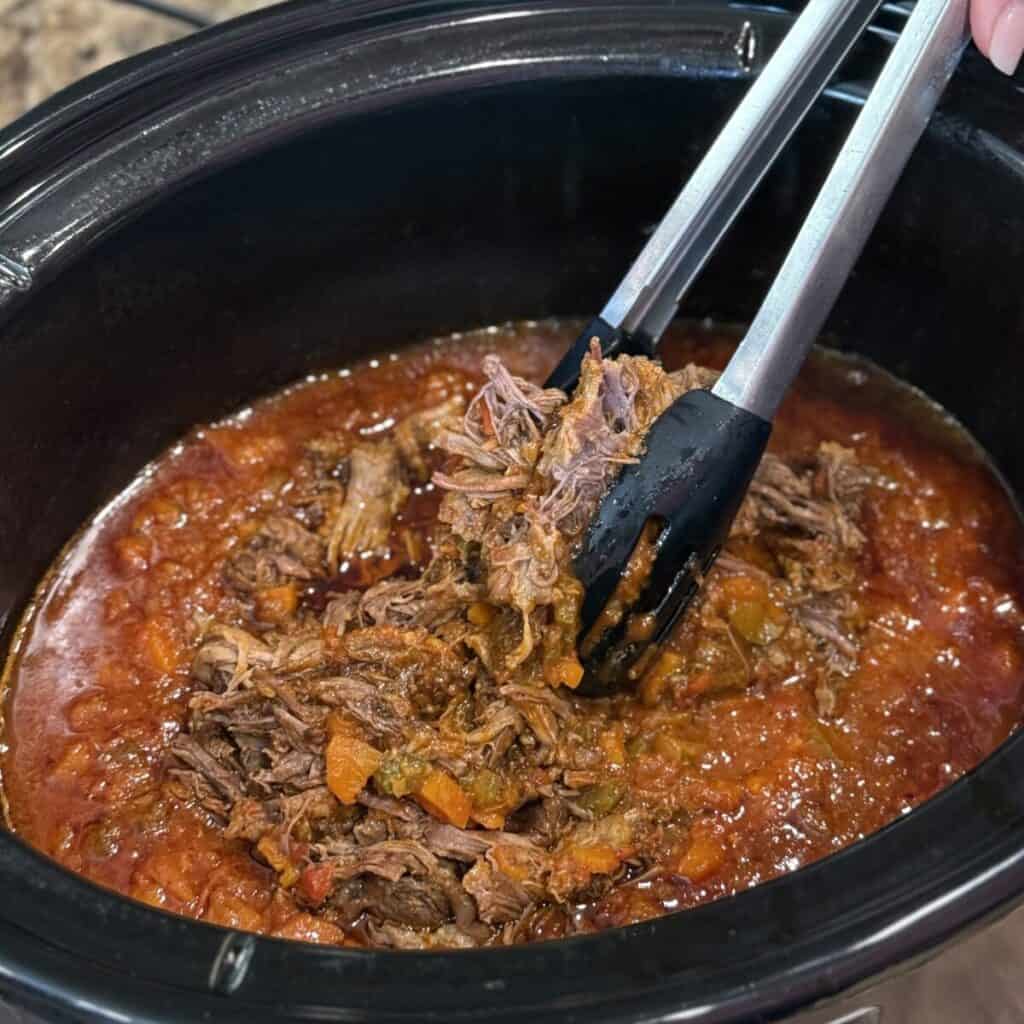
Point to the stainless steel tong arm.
(758, 129)
(861, 180)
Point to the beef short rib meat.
(410, 758)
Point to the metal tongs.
(678, 502)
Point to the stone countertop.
(47, 44)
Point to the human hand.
(998, 27)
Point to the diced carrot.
(270, 849)
(597, 858)
(277, 604)
(489, 819)
(440, 795)
(177, 872)
(271, 852)
(230, 910)
(564, 672)
(743, 588)
(159, 644)
(338, 723)
(513, 861)
(350, 763)
(702, 859)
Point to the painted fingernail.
(1007, 44)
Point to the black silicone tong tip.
(700, 457)
(703, 452)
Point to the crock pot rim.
(138, 112)
(802, 937)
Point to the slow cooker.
(285, 193)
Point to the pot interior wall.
(515, 201)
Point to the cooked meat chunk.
(250, 820)
(411, 664)
(545, 820)
(364, 702)
(227, 656)
(196, 786)
(419, 903)
(504, 424)
(821, 501)
(218, 776)
(280, 550)
(457, 844)
(823, 620)
(419, 434)
(600, 429)
(534, 468)
(376, 491)
(499, 899)
(430, 601)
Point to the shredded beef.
(421, 432)
(487, 808)
(281, 550)
(499, 899)
(375, 492)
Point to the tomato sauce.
(99, 682)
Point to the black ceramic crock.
(201, 225)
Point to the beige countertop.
(46, 44)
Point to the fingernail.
(1007, 44)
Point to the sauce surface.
(753, 772)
